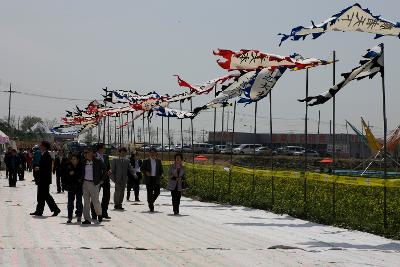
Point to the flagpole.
(133, 131)
(334, 134)
(222, 126)
(306, 146)
(232, 142)
(191, 126)
(334, 111)
(121, 129)
(215, 123)
(142, 136)
(108, 130)
(254, 148)
(384, 139)
(180, 106)
(129, 132)
(148, 130)
(115, 131)
(169, 141)
(162, 138)
(271, 146)
(104, 121)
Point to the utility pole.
(10, 91)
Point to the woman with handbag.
(177, 181)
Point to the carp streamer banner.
(206, 87)
(369, 67)
(254, 59)
(262, 85)
(169, 112)
(352, 19)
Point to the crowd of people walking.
(84, 175)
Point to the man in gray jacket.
(119, 175)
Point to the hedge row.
(350, 206)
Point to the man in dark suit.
(152, 170)
(105, 201)
(43, 181)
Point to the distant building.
(347, 145)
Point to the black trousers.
(176, 199)
(153, 191)
(43, 197)
(21, 173)
(105, 201)
(12, 177)
(58, 182)
(135, 185)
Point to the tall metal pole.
(180, 106)
(231, 150)
(306, 147)
(149, 131)
(115, 131)
(169, 141)
(104, 121)
(222, 126)
(334, 136)
(334, 111)
(215, 123)
(254, 148)
(133, 131)
(128, 129)
(9, 110)
(162, 138)
(271, 146)
(384, 139)
(192, 139)
(143, 139)
(319, 124)
(108, 130)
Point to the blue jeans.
(79, 206)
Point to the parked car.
(310, 153)
(218, 148)
(201, 147)
(246, 148)
(168, 148)
(290, 150)
(263, 151)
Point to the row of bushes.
(351, 206)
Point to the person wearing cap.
(43, 181)
(105, 201)
(152, 170)
(119, 175)
(94, 171)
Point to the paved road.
(205, 235)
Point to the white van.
(246, 148)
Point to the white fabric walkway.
(205, 235)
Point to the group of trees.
(23, 128)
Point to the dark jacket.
(132, 161)
(146, 167)
(45, 169)
(72, 177)
(7, 159)
(106, 161)
(13, 162)
(99, 170)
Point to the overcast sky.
(74, 48)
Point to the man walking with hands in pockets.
(153, 171)
(119, 175)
